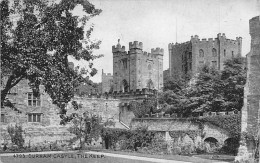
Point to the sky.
(157, 23)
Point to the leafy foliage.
(16, 135)
(36, 47)
(87, 127)
(140, 108)
(209, 90)
(230, 123)
(132, 139)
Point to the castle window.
(201, 53)
(232, 54)
(201, 62)
(150, 84)
(224, 52)
(33, 100)
(2, 117)
(34, 117)
(214, 52)
(124, 86)
(124, 63)
(149, 67)
(190, 55)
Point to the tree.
(175, 83)
(217, 90)
(87, 127)
(37, 47)
(234, 77)
(205, 95)
(16, 135)
(140, 108)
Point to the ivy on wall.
(230, 123)
(182, 133)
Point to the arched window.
(149, 67)
(150, 84)
(214, 52)
(201, 53)
(124, 86)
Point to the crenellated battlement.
(223, 35)
(118, 48)
(149, 55)
(135, 45)
(131, 93)
(157, 51)
(195, 40)
(177, 45)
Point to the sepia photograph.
(130, 81)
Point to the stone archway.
(211, 141)
(230, 146)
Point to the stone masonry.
(137, 69)
(166, 125)
(251, 109)
(107, 82)
(40, 119)
(189, 56)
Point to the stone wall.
(167, 125)
(107, 82)
(49, 128)
(251, 109)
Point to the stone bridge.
(206, 131)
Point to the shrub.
(176, 150)
(201, 148)
(16, 135)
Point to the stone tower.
(189, 56)
(251, 109)
(136, 69)
(107, 82)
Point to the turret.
(118, 47)
(239, 41)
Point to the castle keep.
(136, 69)
(189, 56)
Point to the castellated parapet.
(189, 56)
(118, 49)
(135, 45)
(157, 51)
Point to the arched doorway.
(150, 84)
(124, 86)
(231, 146)
(211, 141)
